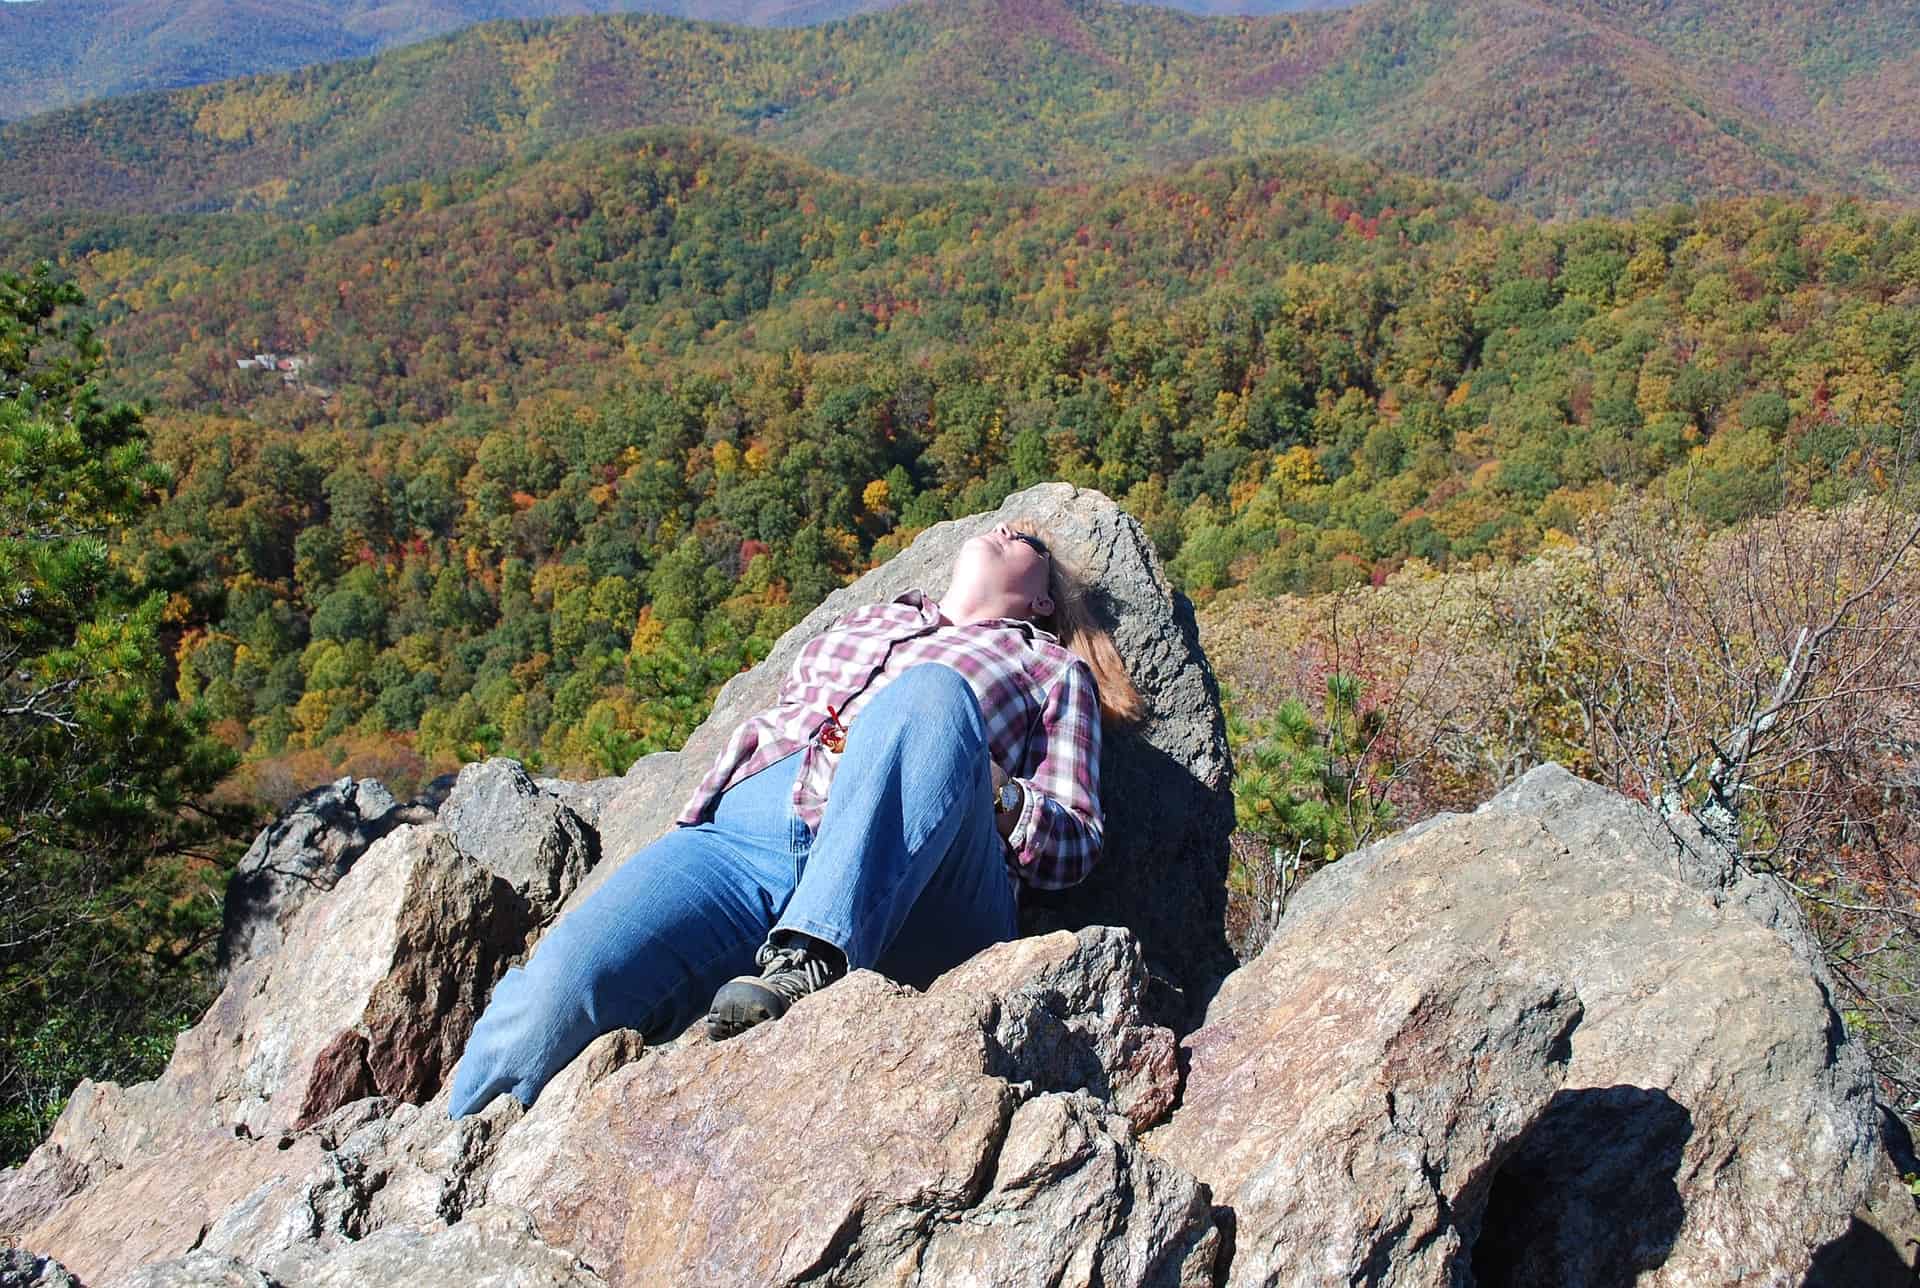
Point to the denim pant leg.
(647, 949)
(907, 841)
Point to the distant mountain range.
(55, 53)
(1556, 106)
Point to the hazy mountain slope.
(1565, 115)
(55, 53)
(1843, 72)
(1548, 107)
(609, 255)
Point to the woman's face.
(1001, 573)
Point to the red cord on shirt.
(833, 734)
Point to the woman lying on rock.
(922, 760)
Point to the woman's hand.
(1003, 820)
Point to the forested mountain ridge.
(692, 383)
(55, 53)
(614, 256)
(1561, 106)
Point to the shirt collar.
(929, 610)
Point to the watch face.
(1009, 798)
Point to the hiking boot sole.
(741, 1004)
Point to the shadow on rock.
(1861, 1258)
(1881, 1244)
(1153, 799)
(1588, 1197)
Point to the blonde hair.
(1073, 623)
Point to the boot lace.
(792, 971)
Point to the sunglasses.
(1039, 546)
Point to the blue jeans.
(907, 876)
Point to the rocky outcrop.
(236, 1148)
(1352, 1117)
(494, 1246)
(1165, 786)
(1713, 1125)
(1534, 1045)
(1551, 1042)
(372, 993)
(303, 852)
(1077, 1019)
(520, 832)
(198, 1270)
(20, 1269)
(874, 1134)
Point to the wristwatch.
(1010, 797)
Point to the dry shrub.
(1767, 681)
(274, 782)
(1764, 679)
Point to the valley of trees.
(686, 383)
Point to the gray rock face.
(1351, 1105)
(584, 799)
(872, 1135)
(498, 1247)
(1165, 786)
(1076, 1019)
(302, 853)
(494, 1246)
(373, 993)
(497, 814)
(1714, 1125)
(21, 1269)
(1073, 1200)
(198, 1270)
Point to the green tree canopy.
(98, 772)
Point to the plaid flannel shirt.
(1038, 700)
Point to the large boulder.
(521, 831)
(372, 994)
(303, 852)
(1714, 1124)
(877, 1135)
(1165, 786)
(1352, 1112)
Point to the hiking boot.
(788, 972)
